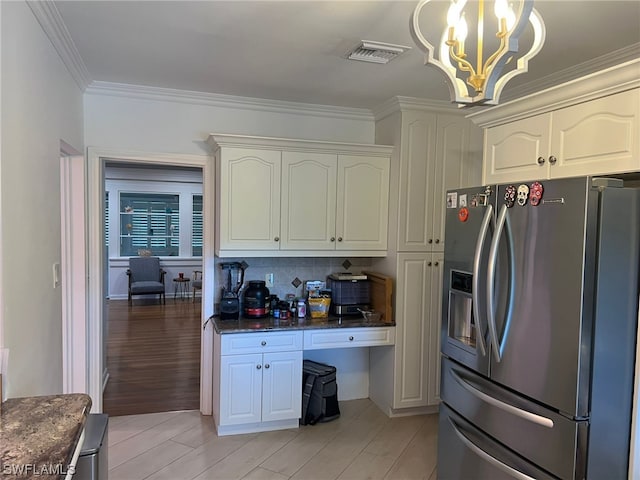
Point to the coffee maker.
(230, 301)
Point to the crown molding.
(226, 101)
(400, 103)
(607, 81)
(54, 28)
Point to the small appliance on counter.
(350, 293)
(230, 302)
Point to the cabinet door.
(597, 137)
(512, 150)
(458, 163)
(249, 199)
(412, 330)
(434, 287)
(417, 175)
(308, 201)
(240, 389)
(281, 386)
(362, 203)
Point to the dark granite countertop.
(245, 325)
(38, 435)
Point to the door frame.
(96, 158)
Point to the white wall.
(41, 105)
(175, 124)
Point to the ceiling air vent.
(376, 52)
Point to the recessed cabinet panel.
(250, 198)
(281, 386)
(240, 395)
(512, 150)
(362, 203)
(308, 200)
(597, 137)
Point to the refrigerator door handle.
(487, 457)
(475, 288)
(519, 412)
(503, 223)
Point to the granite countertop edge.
(270, 324)
(40, 434)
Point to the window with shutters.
(196, 230)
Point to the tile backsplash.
(286, 270)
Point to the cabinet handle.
(552, 160)
(351, 338)
(437, 240)
(428, 264)
(540, 160)
(258, 366)
(276, 239)
(263, 343)
(339, 239)
(266, 365)
(431, 240)
(435, 264)
(333, 239)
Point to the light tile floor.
(362, 444)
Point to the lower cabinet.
(256, 386)
(408, 376)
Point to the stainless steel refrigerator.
(540, 309)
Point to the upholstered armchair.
(146, 277)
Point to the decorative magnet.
(523, 194)
(510, 196)
(463, 214)
(535, 193)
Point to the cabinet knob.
(540, 160)
(339, 239)
(258, 366)
(429, 264)
(276, 239)
(333, 239)
(435, 264)
(266, 365)
(431, 240)
(552, 160)
(437, 240)
(351, 338)
(263, 343)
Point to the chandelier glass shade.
(480, 80)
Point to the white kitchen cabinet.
(437, 151)
(596, 137)
(319, 197)
(348, 337)
(257, 381)
(249, 199)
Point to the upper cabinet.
(589, 126)
(595, 137)
(284, 197)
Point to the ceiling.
(295, 50)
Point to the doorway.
(96, 160)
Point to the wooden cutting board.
(381, 294)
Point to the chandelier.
(481, 81)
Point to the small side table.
(181, 287)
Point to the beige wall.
(41, 105)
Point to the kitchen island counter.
(39, 435)
(246, 325)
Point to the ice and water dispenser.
(461, 322)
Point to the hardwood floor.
(362, 444)
(153, 356)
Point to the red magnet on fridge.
(463, 214)
(535, 193)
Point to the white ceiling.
(295, 50)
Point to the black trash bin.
(319, 393)
(92, 462)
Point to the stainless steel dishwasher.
(92, 463)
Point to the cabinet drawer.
(348, 337)
(260, 342)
